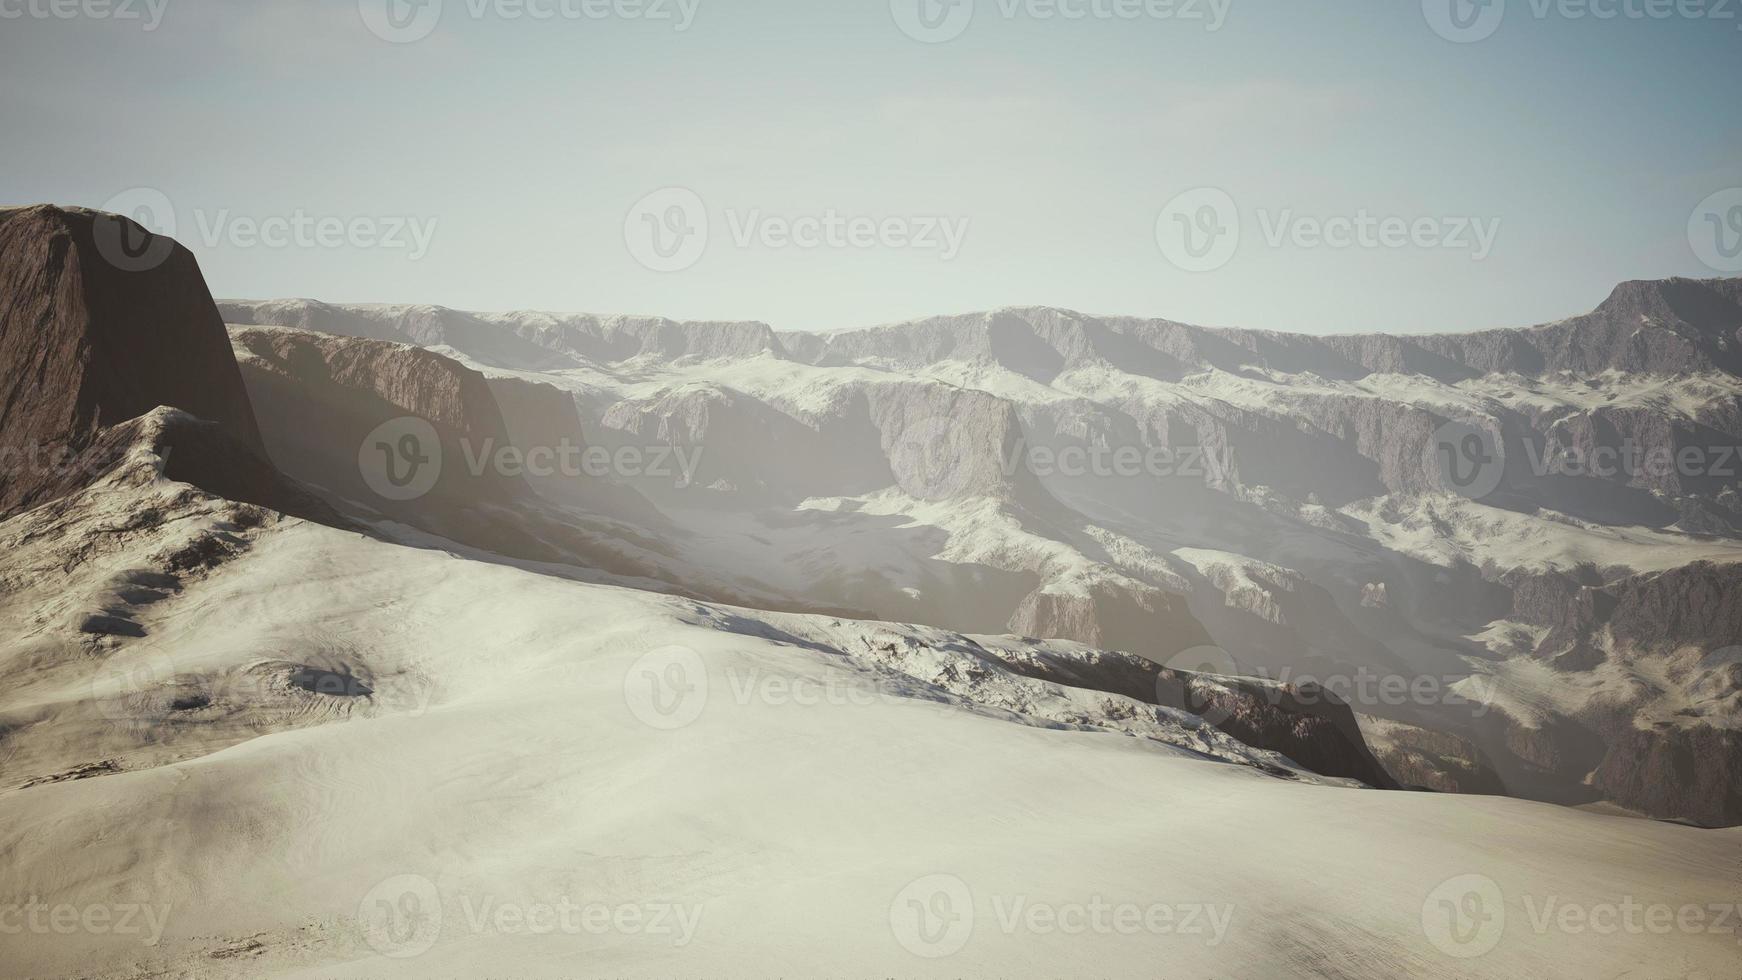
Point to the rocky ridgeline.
(1673, 326)
(1347, 550)
(517, 339)
(101, 324)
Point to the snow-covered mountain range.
(1514, 551)
(390, 641)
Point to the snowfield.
(483, 770)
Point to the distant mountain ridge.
(1692, 326)
(1301, 523)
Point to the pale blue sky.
(526, 143)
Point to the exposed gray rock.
(1321, 474)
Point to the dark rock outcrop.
(1307, 723)
(1310, 726)
(111, 343)
(89, 340)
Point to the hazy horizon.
(777, 328)
(494, 161)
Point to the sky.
(1311, 165)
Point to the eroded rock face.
(1149, 621)
(320, 396)
(953, 443)
(1693, 774)
(390, 430)
(100, 323)
(1700, 603)
(1661, 652)
(393, 434)
(1423, 759)
(886, 469)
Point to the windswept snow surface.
(499, 772)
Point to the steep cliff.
(93, 335)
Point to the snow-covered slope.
(317, 754)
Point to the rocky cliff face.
(388, 430)
(1507, 526)
(1693, 774)
(1661, 655)
(321, 396)
(93, 335)
(1422, 759)
(112, 347)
